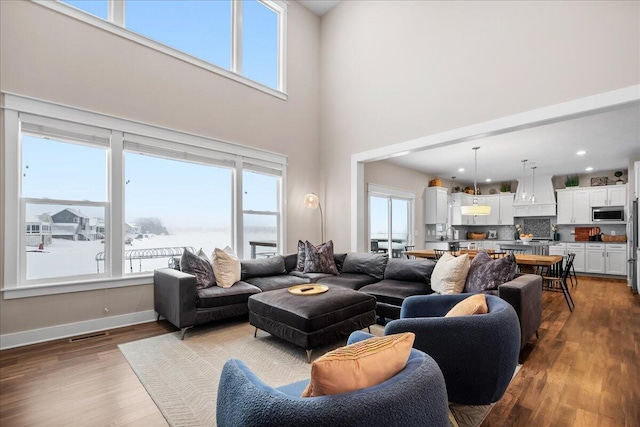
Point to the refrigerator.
(633, 234)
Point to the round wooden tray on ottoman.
(314, 320)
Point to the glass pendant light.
(475, 209)
(533, 185)
(524, 180)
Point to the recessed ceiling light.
(581, 153)
(589, 169)
(461, 170)
(488, 180)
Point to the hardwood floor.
(584, 370)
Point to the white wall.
(50, 56)
(395, 71)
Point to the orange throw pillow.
(475, 304)
(359, 365)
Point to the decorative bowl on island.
(526, 238)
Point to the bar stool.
(409, 248)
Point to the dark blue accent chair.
(477, 354)
(414, 397)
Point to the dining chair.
(439, 253)
(558, 283)
(516, 251)
(375, 247)
(497, 255)
(409, 248)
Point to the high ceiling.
(319, 7)
(609, 138)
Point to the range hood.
(545, 204)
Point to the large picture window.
(94, 201)
(242, 39)
(173, 204)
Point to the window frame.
(116, 25)
(184, 146)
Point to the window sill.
(71, 287)
(144, 41)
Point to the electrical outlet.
(106, 310)
(573, 232)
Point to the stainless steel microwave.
(608, 214)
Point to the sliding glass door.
(390, 222)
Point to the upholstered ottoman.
(310, 321)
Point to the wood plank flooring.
(584, 371)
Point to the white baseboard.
(50, 333)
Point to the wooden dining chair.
(497, 255)
(439, 253)
(558, 283)
(409, 248)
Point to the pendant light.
(524, 180)
(533, 185)
(452, 202)
(475, 209)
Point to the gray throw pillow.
(409, 270)
(263, 267)
(319, 259)
(487, 274)
(365, 263)
(301, 255)
(200, 266)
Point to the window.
(193, 209)
(99, 8)
(260, 43)
(261, 214)
(98, 198)
(241, 39)
(199, 28)
(391, 214)
(66, 180)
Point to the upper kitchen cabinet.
(501, 209)
(436, 205)
(614, 195)
(573, 206)
(457, 201)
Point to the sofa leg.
(255, 333)
(158, 319)
(537, 335)
(309, 356)
(369, 329)
(184, 331)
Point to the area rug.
(181, 376)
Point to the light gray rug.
(182, 376)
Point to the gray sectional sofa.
(390, 281)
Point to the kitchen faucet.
(446, 232)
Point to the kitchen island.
(540, 247)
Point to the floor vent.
(88, 337)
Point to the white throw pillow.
(226, 267)
(450, 274)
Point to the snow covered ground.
(73, 258)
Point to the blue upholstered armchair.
(477, 354)
(414, 397)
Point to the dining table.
(521, 259)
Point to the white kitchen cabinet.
(559, 249)
(594, 258)
(579, 260)
(615, 259)
(459, 200)
(615, 195)
(436, 206)
(574, 206)
(501, 209)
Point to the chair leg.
(255, 333)
(537, 335)
(158, 319)
(369, 329)
(309, 356)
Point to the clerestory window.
(241, 39)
